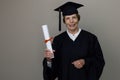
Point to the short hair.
(78, 16)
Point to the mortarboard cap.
(68, 8)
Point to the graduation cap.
(68, 8)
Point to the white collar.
(73, 37)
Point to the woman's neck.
(73, 31)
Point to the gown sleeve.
(50, 73)
(95, 60)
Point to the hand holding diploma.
(48, 55)
(49, 51)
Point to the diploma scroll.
(47, 38)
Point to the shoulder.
(90, 37)
(88, 34)
(61, 36)
(58, 40)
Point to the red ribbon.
(48, 40)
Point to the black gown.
(85, 46)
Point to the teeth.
(71, 25)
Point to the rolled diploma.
(47, 37)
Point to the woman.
(78, 55)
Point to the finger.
(77, 64)
(53, 50)
(51, 39)
(82, 61)
(47, 50)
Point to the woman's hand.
(48, 54)
(79, 63)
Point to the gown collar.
(73, 36)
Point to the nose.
(71, 20)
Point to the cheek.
(66, 22)
(76, 21)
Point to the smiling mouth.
(72, 25)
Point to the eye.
(67, 18)
(74, 17)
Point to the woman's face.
(71, 22)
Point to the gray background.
(21, 37)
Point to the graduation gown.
(86, 46)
